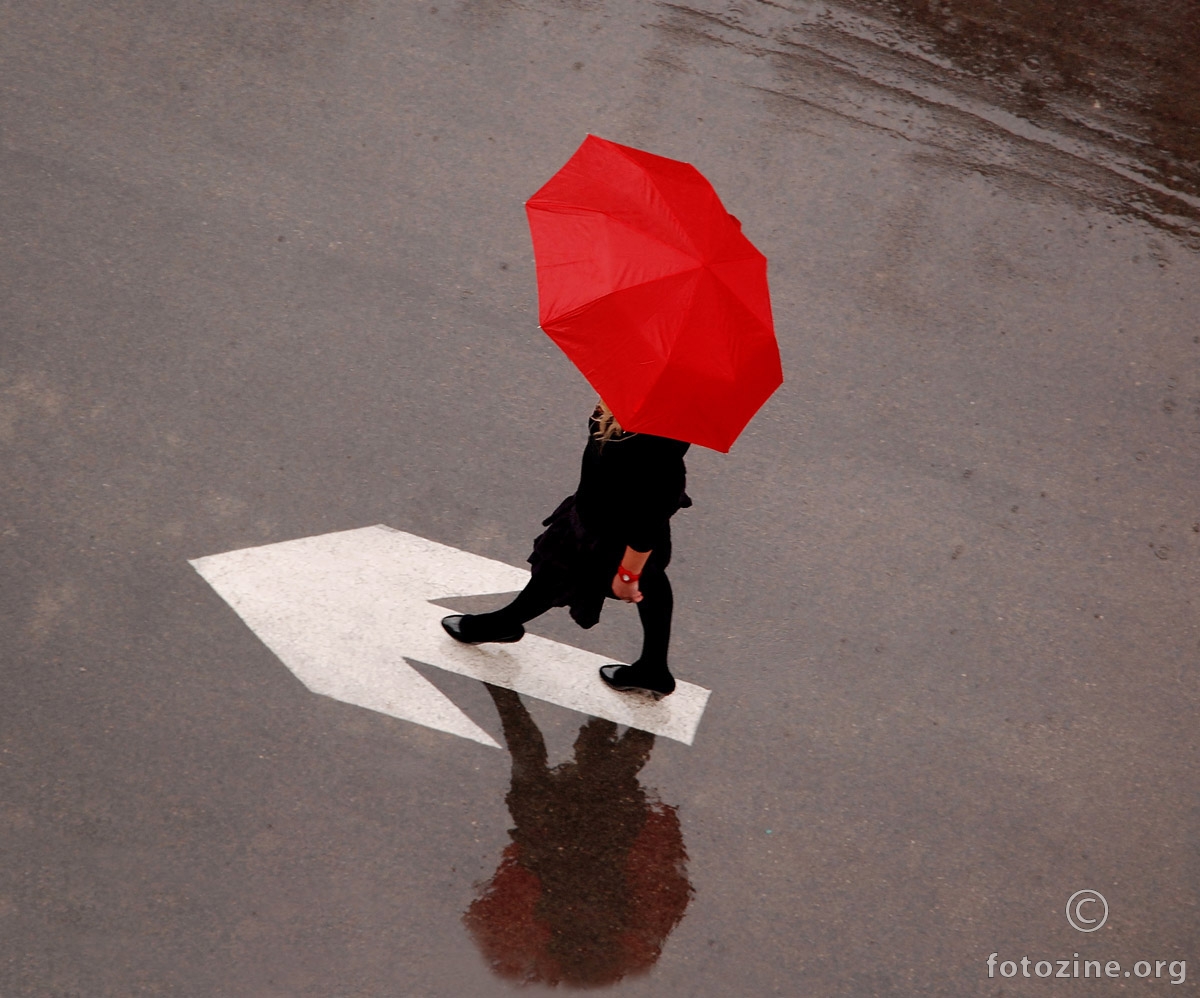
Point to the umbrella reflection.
(595, 878)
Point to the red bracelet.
(626, 575)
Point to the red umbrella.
(649, 286)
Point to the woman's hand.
(633, 562)
(628, 591)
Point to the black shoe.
(453, 626)
(635, 678)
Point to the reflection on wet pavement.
(595, 877)
(1099, 101)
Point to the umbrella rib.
(580, 309)
(662, 372)
(679, 223)
(738, 293)
(578, 209)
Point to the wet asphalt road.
(265, 274)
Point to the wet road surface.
(266, 275)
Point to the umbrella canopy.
(649, 286)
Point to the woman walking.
(610, 539)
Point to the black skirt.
(577, 566)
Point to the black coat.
(629, 488)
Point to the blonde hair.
(608, 426)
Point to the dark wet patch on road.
(1097, 102)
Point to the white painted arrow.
(344, 610)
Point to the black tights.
(539, 595)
